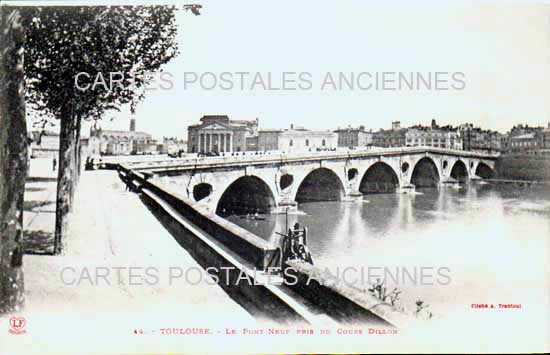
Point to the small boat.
(254, 217)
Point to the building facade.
(354, 137)
(172, 145)
(252, 143)
(528, 140)
(430, 136)
(546, 140)
(114, 142)
(395, 137)
(296, 140)
(217, 133)
(433, 137)
(480, 140)
(523, 143)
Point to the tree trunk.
(76, 161)
(64, 179)
(77, 150)
(13, 158)
(73, 164)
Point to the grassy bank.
(523, 167)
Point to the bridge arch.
(425, 173)
(484, 171)
(247, 194)
(459, 171)
(321, 184)
(379, 178)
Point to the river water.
(480, 243)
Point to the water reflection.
(478, 231)
(337, 228)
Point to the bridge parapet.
(273, 182)
(274, 158)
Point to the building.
(528, 140)
(521, 129)
(420, 136)
(434, 136)
(480, 140)
(252, 143)
(523, 143)
(217, 133)
(395, 125)
(172, 145)
(44, 144)
(354, 137)
(389, 138)
(546, 140)
(114, 142)
(296, 139)
(395, 137)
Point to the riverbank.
(523, 167)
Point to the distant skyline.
(502, 49)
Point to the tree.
(65, 41)
(13, 158)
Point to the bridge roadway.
(272, 181)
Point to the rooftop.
(107, 132)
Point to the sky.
(502, 49)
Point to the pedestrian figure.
(54, 164)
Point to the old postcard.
(274, 177)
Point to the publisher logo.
(17, 325)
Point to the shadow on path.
(38, 242)
(30, 205)
(41, 179)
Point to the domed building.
(217, 133)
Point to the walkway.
(111, 230)
(110, 227)
(39, 207)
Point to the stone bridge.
(271, 182)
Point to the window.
(290, 143)
(323, 143)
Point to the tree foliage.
(64, 41)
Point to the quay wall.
(248, 245)
(243, 250)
